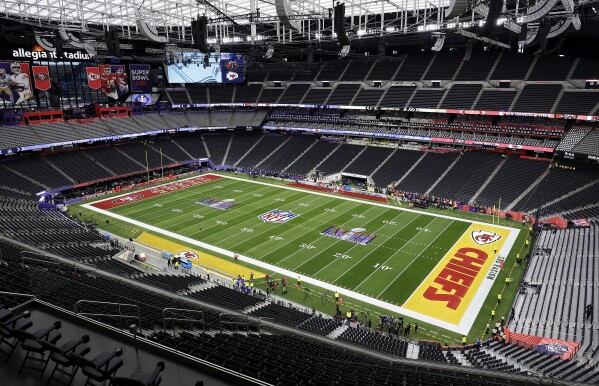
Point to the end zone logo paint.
(484, 237)
(128, 199)
(277, 216)
(189, 255)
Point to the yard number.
(389, 222)
(276, 238)
(422, 229)
(248, 230)
(383, 267)
(307, 246)
(257, 195)
(221, 222)
(342, 255)
(177, 210)
(357, 215)
(329, 210)
(198, 216)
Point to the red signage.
(93, 77)
(41, 77)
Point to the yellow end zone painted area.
(218, 264)
(450, 288)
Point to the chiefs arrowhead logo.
(232, 75)
(484, 237)
(189, 255)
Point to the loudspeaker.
(112, 42)
(199, 31)
(54, 96)
(340, 24)
(283, 12)
(495, 7)
(468, 51)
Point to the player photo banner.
(15, 84)
(93, 77)
(140, 77)
(41, 77)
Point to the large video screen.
(194, 67)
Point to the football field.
(434, 268)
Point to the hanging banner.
(140, 78)
(15, 84)
(93, 77)
(41, 77)
(113, 79)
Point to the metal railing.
(175, 311)
(122, 317)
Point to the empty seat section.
(317, 96)
(340, 159)
(427, 98)
(512, 66)
(466, 176)
(343, 94)
(426, 172)
(357, 70)
(288, 152)
(217, 146)
(586, 69)
(551, 67)
(395, 167)
(170, 149)
(397, 96)
(413, 67)
(175, 120)
(266, 146)
(511, 180)
(192, 143)
(200, 119)
(17, 136)
(143, 154)
(590, 144)
(577, 102)
(78, 166)
(312, 157)
(538, 98)
(270, 95)
(294, 93)
(478, 67)
(332, 70)
(240, 144)
(56, 132)
(114, 160)
(221, 118)
(179, 97)
(461, 96)
(383, 70)
(247, 93)
(368, 97)
(369, 160)
(38, 169)
(198, 93)
(495, 100)
(221, 93)
(14, 181)
(445, 65)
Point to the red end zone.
(153, 192)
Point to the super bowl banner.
(140, 78)
(15, 84)
(558, 348)
(231, 67)
(112, 79)
(41, 77)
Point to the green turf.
(408, 244)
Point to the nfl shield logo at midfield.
(278, 216)
(484, 237)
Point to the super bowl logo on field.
(278, 216)
(128, 199)
(484, 237)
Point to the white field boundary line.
(273, 268)
(413, 260)
(463, 327)
(308, 191)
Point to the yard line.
(269, 229)
(375, 249)
(253, 220)
(402, 247)
(376, 231)
(305, 233)
(411, 262)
